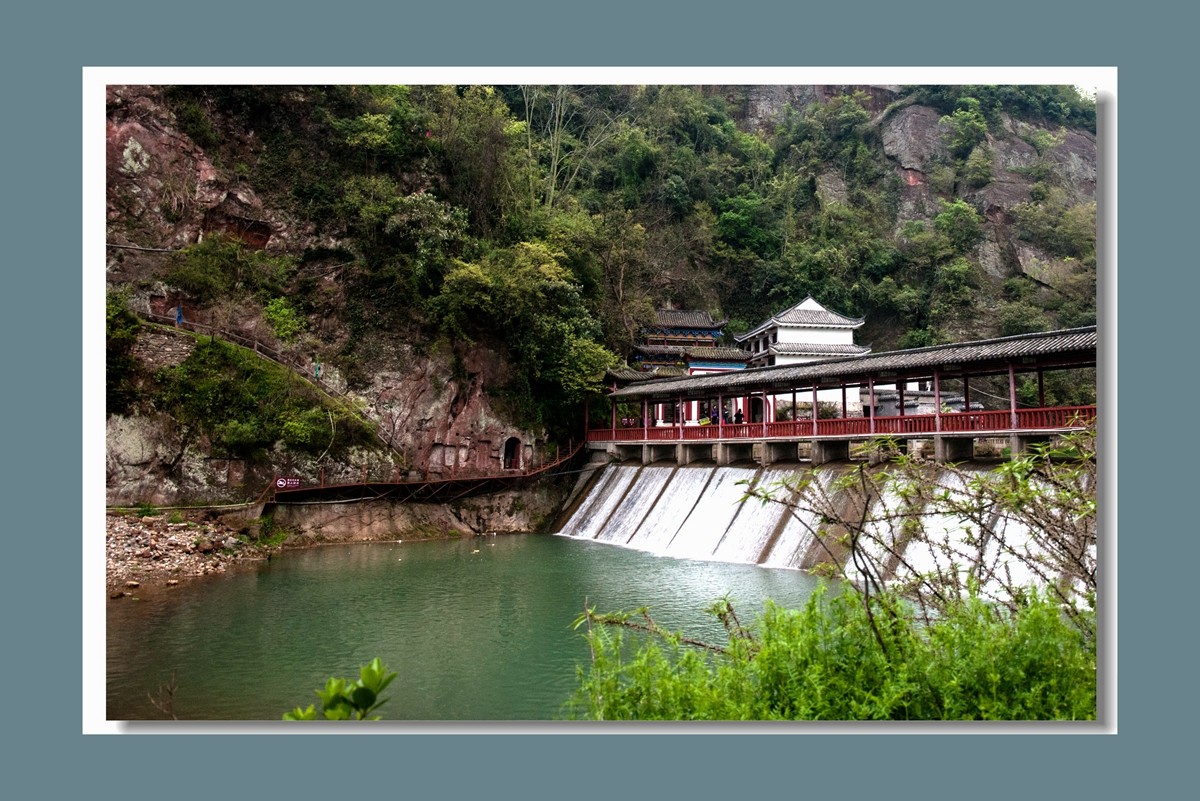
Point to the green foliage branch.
(244, 404)
(350, 699)
(893, 643)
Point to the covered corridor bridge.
(769, 439)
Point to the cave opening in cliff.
(512, 453)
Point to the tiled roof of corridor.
(1075, 345)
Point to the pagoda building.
(807, 332)
(680, 343)
(686, 343)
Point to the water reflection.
(478, 629)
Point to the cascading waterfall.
(703, 512)
(797, 537)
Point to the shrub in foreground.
(841, 659)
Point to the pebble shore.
(154, 551)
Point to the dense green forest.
(552, 220)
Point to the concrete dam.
(944, 532)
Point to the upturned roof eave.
(1077, 346)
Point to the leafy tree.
(474, 140)
(1021, 317)
(967, 127)
(120, 366)
(221, 266)
(960, 223)
(285, 322)
(977, 171)
(1053, 104)
(953, 292)
(565, 127)
(527, 297)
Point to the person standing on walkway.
(179, 315)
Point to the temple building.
(807, 332)
(679, 343)
(685, 343)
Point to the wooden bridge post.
(1012, 395)
(795, 417)
(937, 401)
(814, 410)
(871, 392)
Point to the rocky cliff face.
(913, 139)
(164, 192)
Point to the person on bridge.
(737, 418)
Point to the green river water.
(478, 629)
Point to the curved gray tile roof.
(1074, 346)
(715, 352)
(680, 318)
(805, 318)
(813, 349)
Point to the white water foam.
(754, 523)
(593, 513)
(699, 535)
(626, 518)
(675, 502)
(797, 535)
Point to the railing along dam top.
(973, 423)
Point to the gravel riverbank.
(167, 549)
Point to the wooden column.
(795, 422)
(871, 394)
(937, 401)
(720, 416)
(814, 411)
(1012, 395)
(614, 418)
(1041, 390)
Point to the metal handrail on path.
(441, 490)
(458, 486)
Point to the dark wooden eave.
(1075, 347)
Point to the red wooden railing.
(1050, 419)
